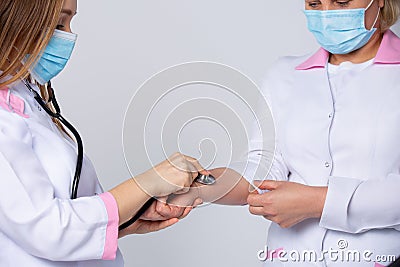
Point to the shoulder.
(282, 72)
(13, 127)
(287, 64)
(280, 78)
(12, 115)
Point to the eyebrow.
(69, 12)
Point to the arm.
(61, 229)
(172, 175)
(346, 205)
(231, 187)
(45, 226)
(356, 206)
(264, 161)
(287, 203)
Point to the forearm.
(355, 206)
(230, 189)
(130, 198)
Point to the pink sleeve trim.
(111, 244)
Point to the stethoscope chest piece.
(206, 179)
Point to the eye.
(313, 4)
(60, 27)
(343, 3)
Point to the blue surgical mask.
(340, 31)
(54, 57)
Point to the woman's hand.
(144, 227)
(161, 210)
(287, 203)
(190, 199)
(175, 174)
(159, 216)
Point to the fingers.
(163, 209)
(186, 212)
(266, 185)
(145, 227)
(189, 165)
(182, 191)
(266, 211)
(157, 226)
(169, 211)
(172, 210)
(257, 200)
(197, 166)
(132, 229)
(197, 202)
(260, 204)
(151, 213)
(257, 211)
(252, 188)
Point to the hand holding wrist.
(287, 203)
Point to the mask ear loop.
(369, 5)
(377, 16)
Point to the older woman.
(337, 163)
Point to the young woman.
(40, 225)
(335, 177)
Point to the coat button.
(330, 115)
(327, 164)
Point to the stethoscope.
(57, 115)
(202, 179)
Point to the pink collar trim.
(388, 53)
(12, 103)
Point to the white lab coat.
(39, 224)
(351, 145)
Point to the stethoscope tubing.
(57, 115)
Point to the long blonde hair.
(26, 27)
(390, 14)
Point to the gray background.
(123, 43)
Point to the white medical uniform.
(39, 224)
(347, 139)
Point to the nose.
(68, 28)
(327, 6)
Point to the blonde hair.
(390, 14)
(26, 27)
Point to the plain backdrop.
(123, 43)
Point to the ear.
(381, 3)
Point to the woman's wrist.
(318, 201)
(197, 190)
(146, 184)
(130, 198)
